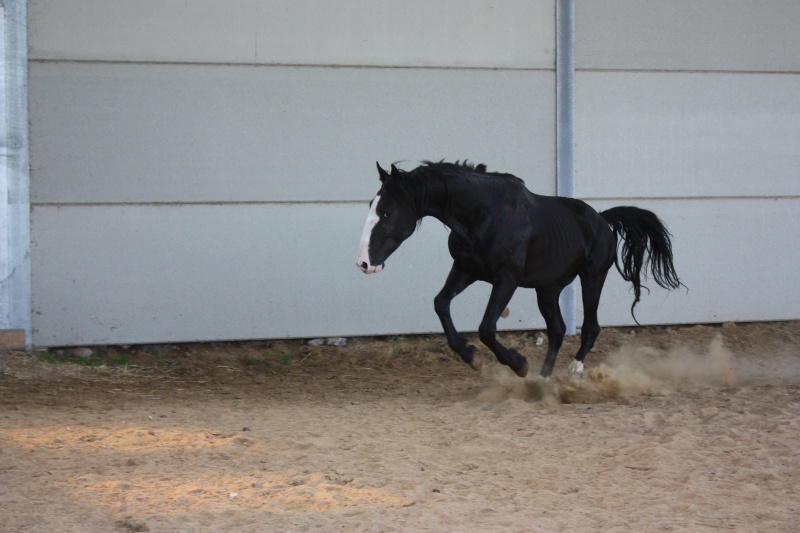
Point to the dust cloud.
(642, 371)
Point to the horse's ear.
(382, 173)
(394, 170)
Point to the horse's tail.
(645, 240)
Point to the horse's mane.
(413, 184)
(458, 169)
(458, 166)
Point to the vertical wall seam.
(565, 130)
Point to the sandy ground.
(672, 429)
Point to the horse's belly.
(542, 271)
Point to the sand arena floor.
(672, 429)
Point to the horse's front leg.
(457, 281)
(502, 291)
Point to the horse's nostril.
(364, 265)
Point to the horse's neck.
(455, 204)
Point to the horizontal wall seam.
(287, 65)
(367, 200)
(406, 67)
(364, 202)
(684, 198)
(686, 71)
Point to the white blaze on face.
(363, 248)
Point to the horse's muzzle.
(369, 269)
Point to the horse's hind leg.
(591, 287)
(457, 281)
(547, 299)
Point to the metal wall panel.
(668, 134)
(195, 164)
(736, 256)
(133, 274)
(692, 109)
(186, 133)
(737, 35)
(450, 33)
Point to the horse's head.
(391, 220)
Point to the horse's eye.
(386, 214)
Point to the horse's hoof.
(476, 364)
(522, 372)
(575, 369)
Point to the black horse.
(503, 234)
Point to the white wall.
(687, 35)
(201, 170)
(692, 109)
(113, 133)
(466, 33)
